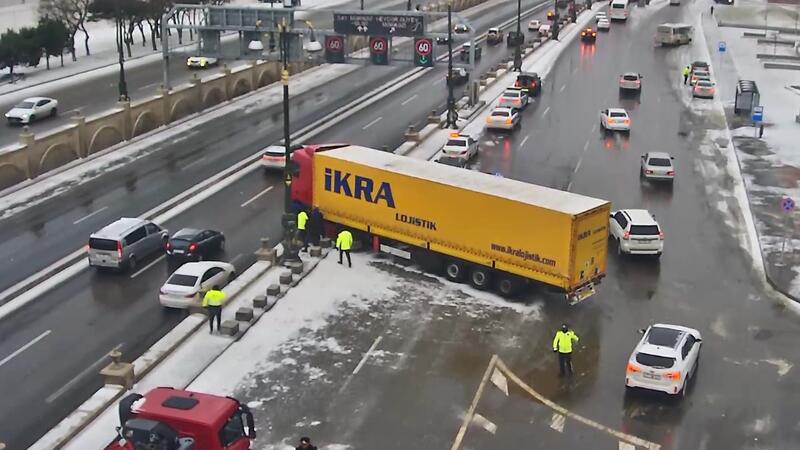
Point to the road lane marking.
(557, 422)
(563, 86)
(148, 86)
(55, 395)
(90, 215)
(586, 146)
(156, 261)
(197, 161)
(578, 166)
(626, 446)
(367, 355)
(73, 110)
(569, 186)
(524, 140)
(546, 110)
(25, 347)
(594, 128)
(372, 123)
(406, 101)
(255, 197)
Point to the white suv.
(657, 166)
(665, 359)
(636, 232)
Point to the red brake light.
(119, 250)
(675, 376)
(661, 235)
(169, 246)
(633, 368)
(671, 173)
(192, 247)
(626, 235)
(648, 172)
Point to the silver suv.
(123, 243)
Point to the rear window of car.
(103, 244)
(660, 162)
(512, 94)
(456, 143)
(618, 114)
(700, 73)
(663, 337)
(276, 151)
(644, 230)
(705, 83)
(180, 242)
(618, 6)
(654, 361)
(630, 77)
(182, 280)
(500, 113)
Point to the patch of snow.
(783, 366)
(718, 327)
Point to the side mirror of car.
(671, 157)
(642, 330)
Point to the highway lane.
(61, 225)
(86, 304)
(92, 94)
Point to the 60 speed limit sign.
(424, 47)
(334, 49)
(379, 50)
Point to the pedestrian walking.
(212, 301)
(344, 242)
(305, 444)
(302, 222)
(686, 71)
(562, 344)
(315, 226)
(712, 10)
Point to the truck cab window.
(232, 431)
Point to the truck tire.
(480, 278)
(508, 285)
(455, 270)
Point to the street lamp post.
(451, 101)
(289, 251)
(518, 48)
(122, 85)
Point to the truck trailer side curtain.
(524, 254)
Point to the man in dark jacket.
(315, 226)
(305, 444)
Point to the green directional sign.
(423, 52)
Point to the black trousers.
(564, 363)
(214, 311)
(685, 78)
(304, 238)
(345, 252)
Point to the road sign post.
(757, 116)
(722, 46)
(379, 50)
(423, 52)
(334, 49)
(787, 206)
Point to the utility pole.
(451, 101)
(289, 252)
(122, 85)
(518, 39)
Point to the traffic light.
(423, 52)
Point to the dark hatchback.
(194, 244)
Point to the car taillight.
(671, 173)
(489, 119)
(674, 376)
(633, 368)
(626, 235)
(192, 247)
(509, 121)
(648, 172)
(594, 34)
(627, 121)
(661, 235)
(119, 250)
(169, 246)
(712, 90)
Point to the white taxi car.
(460, 146)
(657, 166)
(604, 24)
(630, 81)
(534, 25)
(186, 286)
(636, 232)
(600, 16)
(200, 62)
(545, 30)
(513, 98)
(273, 158)
(615, 119)
(665, 359)
(503, 119)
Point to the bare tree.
(73, 13)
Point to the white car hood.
(18, 112)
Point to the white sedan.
(615, 119)
(665, 359)
(603, 24)
(503, 119)
(273, 158)
(189, 283)
(201, 62)
(657, 166)
(460, 146)
(534, 25)
(32, 109)
(513, 98)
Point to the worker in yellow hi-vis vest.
(212, 301)
(344, 242)
(562, 344)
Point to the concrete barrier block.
(273, 290)
(286, 277)
(260, 301)
(296, 268)
(118, 373)
(412, 134)
(314, 252)
(229, 328)
(325, 242)
(244, 314)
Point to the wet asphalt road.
(76, 317)
(435, 344)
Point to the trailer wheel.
(454, 270)
(480, 278)
(508, 285)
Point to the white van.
(619, 10)
(674, 34)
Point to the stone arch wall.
(144, 123)
(213, 97)
(180, 109)
(104, 137)
(242, 86)
(11, 175)
(57, 155)
(265, 78)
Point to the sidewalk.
(770, 165)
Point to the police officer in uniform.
(212, 301)
(344, 242)
(302, 221)
(562, 344)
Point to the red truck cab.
(302, 181)
(173, 419)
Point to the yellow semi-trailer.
(482, 228)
